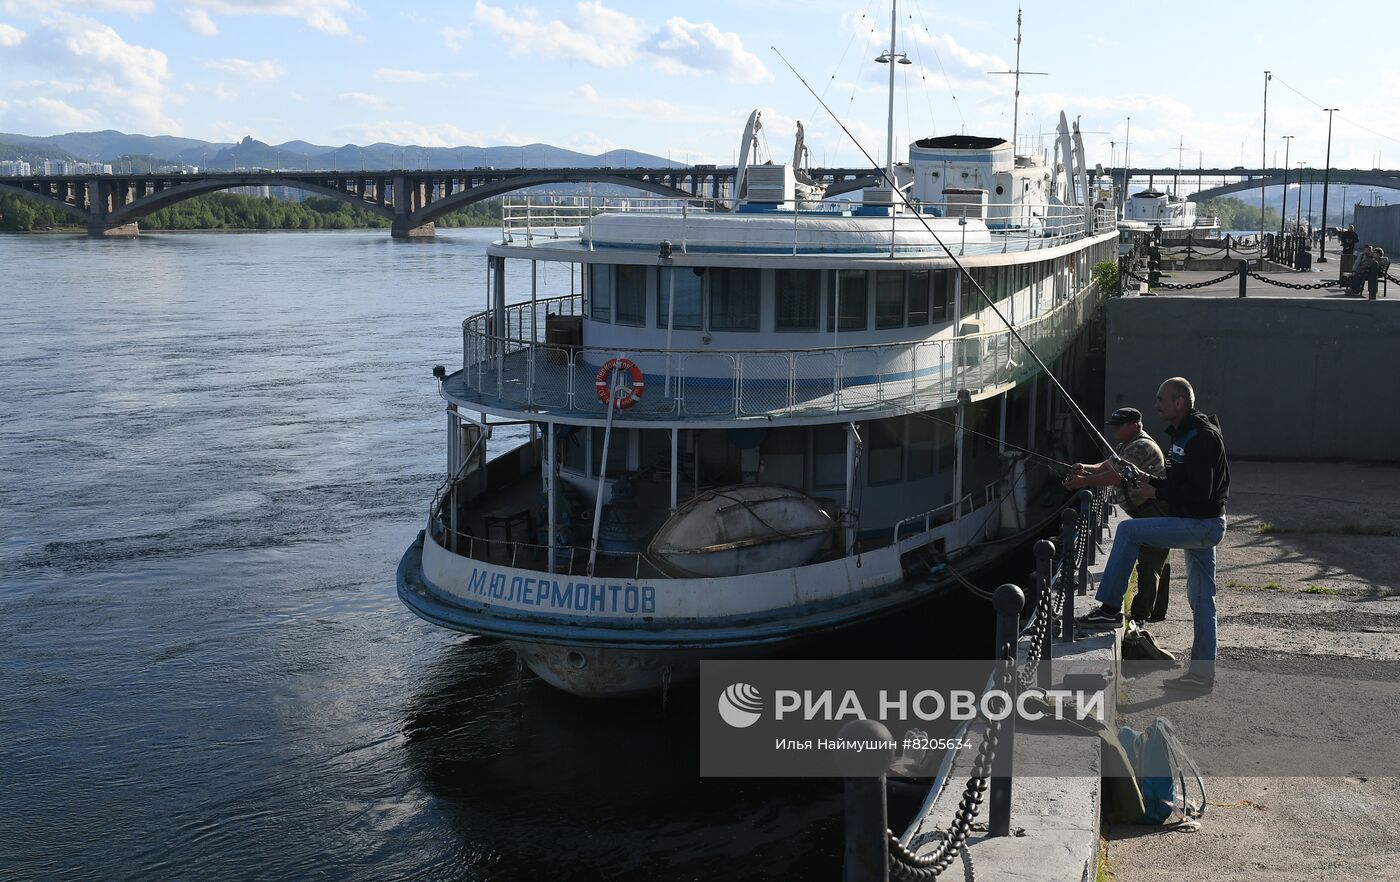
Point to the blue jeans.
(1198, 537)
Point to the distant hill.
(108, 146)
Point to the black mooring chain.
(1183, 286)
(1313, 286)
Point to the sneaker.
(1161, 618)
(1191, 682)
(1101, 615)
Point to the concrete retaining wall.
(1291, 378)
(1379, 225)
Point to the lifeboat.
(739, 530)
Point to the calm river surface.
(213, 450)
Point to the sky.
(679, 79)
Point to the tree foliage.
(1236, 214)
(235, 211)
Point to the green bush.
(1106, 275)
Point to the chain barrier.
(904, 863)
(1312, 286)
(1182, 286)
(1392, 279)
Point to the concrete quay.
(1307, 577)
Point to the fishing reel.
(1132, 476)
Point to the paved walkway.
(1256, 288)
(1312, 598)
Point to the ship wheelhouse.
(817, 391)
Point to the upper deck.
(856, 315)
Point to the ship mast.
(891, 58)
(1017, 73)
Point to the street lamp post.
(1299, 213)
(1326, 177)
(1264, 157)
(1283, 219)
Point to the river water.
(214, 449)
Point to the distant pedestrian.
(1195, 488)
(1382, 269)
(1348, 239)
(1137, 447)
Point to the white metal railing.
(1020, 227)
(517, 370)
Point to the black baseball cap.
(1125, 415)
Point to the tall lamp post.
(1299, 212)
(1326, 176)
(1283, 219)
(1264, 159)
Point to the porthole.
(999, 190)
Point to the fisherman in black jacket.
(1195, 489)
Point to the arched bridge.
(1235, 180)
(112, 205)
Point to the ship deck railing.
(531, 219)
(518, 372)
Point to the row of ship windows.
(807, 457)
(730, 299)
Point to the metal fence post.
(1085, 517)
(1244, 276)
(1086, 510)
(867, 811)
(1007, 601)
(1044, 551)
(1067, 519)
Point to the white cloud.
(363, 99)
(455, 38)
(130, 7)
(410, 132)
(399, 75)
(50, 114)
(606, 38)
(326, 16)
(259, 71)
(701, 48)
(222, 94)
(199, 21)
(124, 85)
(596, 35)
(620, 107)
(10, 35)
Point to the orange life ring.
(602, 381)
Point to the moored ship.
(757, 421)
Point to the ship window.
(853, 300)
(889, 299)
(942, 284)
(797, 294)
(687, 287)
(784, 457)
(631, 295)
(918, 297)
(923, 438)
(886, 452)
(617, 451)
(829, 456)
(734, 299)
(600, 291)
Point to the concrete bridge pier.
(99, 204)
(408, 198)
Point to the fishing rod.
(894, 189)
(1062, 468)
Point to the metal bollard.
(1044, 551)
(867, 810)
(1008, 601)
(1086, 510)
(1067, 519)
(1244, 276)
